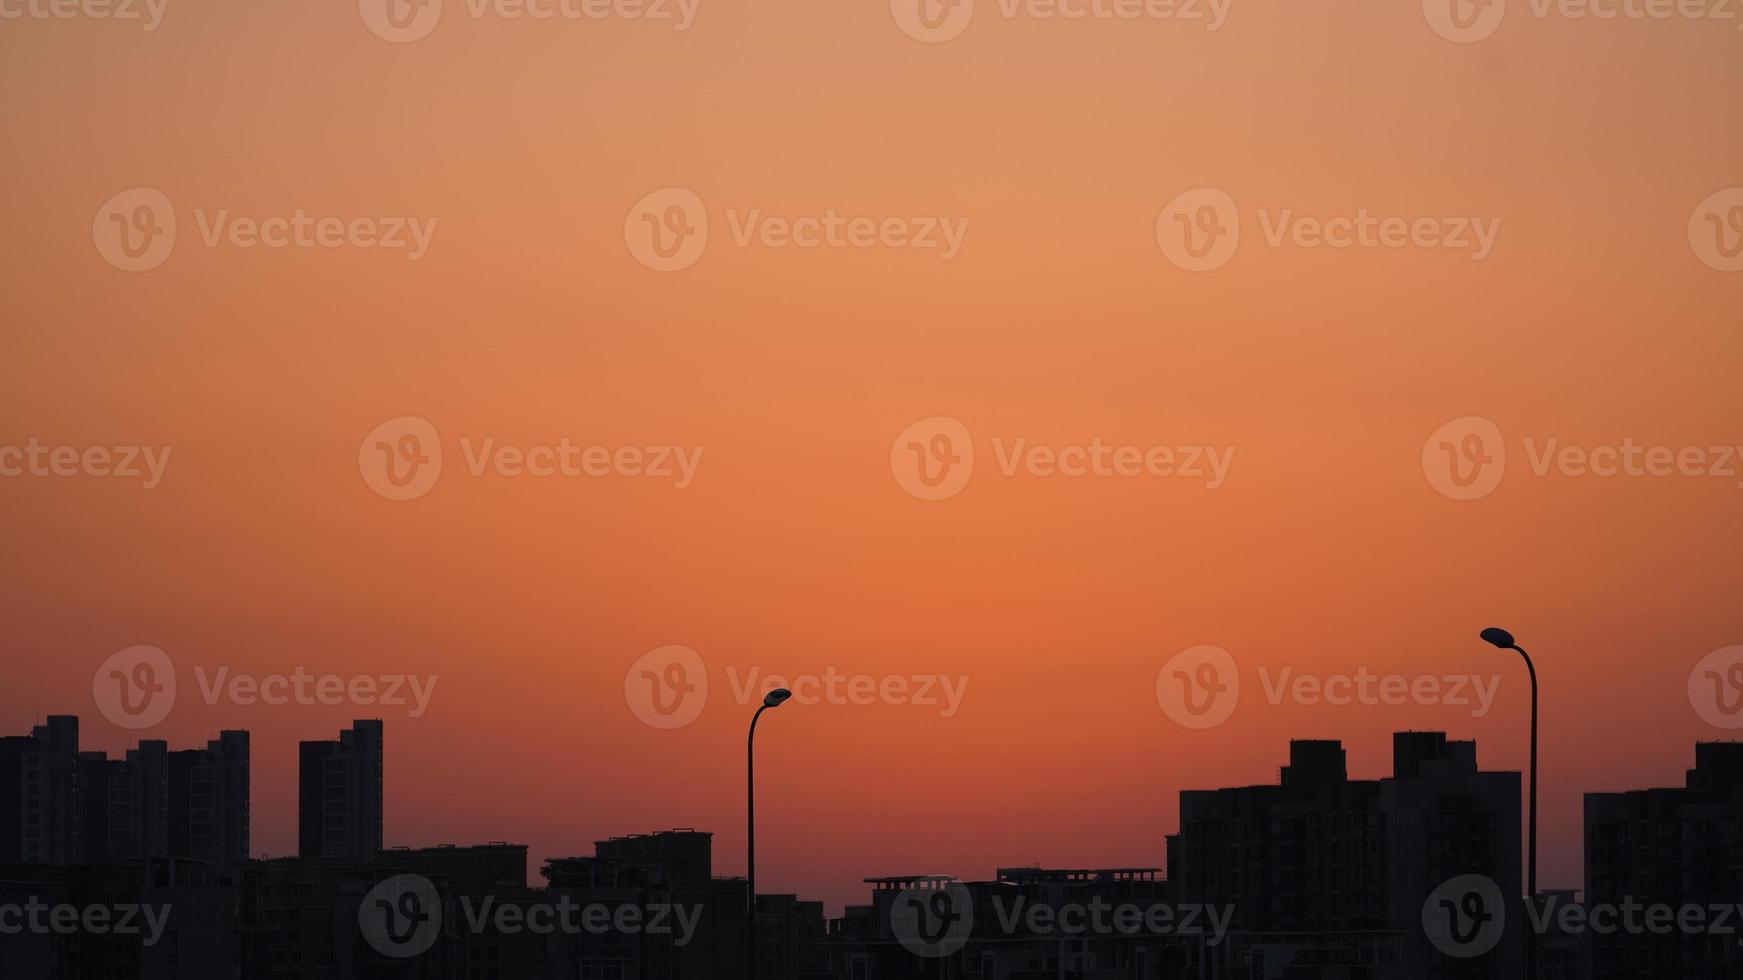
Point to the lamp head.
(1499, 637)
(776, 697)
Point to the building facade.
(339, 794)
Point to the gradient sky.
(1060, 321)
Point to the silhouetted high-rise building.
(61, 806)
(1673, 849)
(1328, 873)
(682, 860)
(123, 804)
(39, 794)
(339, 794)
(1004, 936)
(209, 801)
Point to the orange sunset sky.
(1060, 320)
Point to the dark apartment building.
(306, 918)
(124, 804)
(191, 932)
(60, 806)
(1673, 849)
(39, 794)
(303, 917)
(684, 858)
(209, 813)
(1327, 875)
(339, 794)
(1026, 922)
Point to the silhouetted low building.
(685, 858)
(209, 809)
(158, 919)
(39, 794)
(339, 796)
(1329, 874)
(1675, 850)
(1026, 924)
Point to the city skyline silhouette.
(1244, 884)
(1227, 490)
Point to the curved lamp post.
(1504, 640)
(773, 699)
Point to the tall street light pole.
(773, 699)
(1504, 640)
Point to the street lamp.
(1504, 640)
(773, 699)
